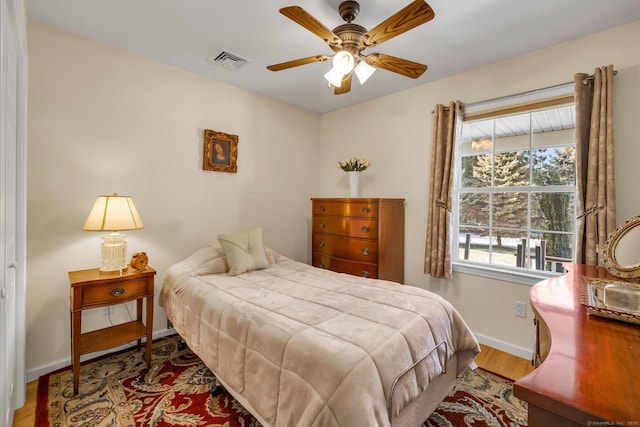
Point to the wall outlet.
(520, 309)
(106, 311)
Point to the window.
(515, 189)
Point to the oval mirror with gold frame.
(622, 250)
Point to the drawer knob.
(321, 265)
(117, 292)
(366, 209)
(365, 251)
(364, 274)
(322, 225)
(365, 228)
(322, 244)
(322, 208)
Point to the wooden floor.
(503, 363)
(26, 416)
(490, 359)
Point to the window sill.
(529, 278)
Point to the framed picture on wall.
(220, 151)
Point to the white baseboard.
(525, 353)
(35, 373)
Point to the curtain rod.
(584, 82)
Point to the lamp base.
(113, 253)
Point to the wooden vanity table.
(590, 372)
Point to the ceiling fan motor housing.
(350, 34)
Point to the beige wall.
(395, 133)
(101, 121)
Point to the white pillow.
(244, 251)
(208, 260)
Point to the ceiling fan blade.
(345, 87)
(297, 62)
(416, 13)
(302, 17)
(396, 65)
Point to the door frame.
(13, 20)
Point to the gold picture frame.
(220, 151)
(621, 251)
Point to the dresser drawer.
(350, 227)
(353, 209)
(345, 266)
(345, 247)
(114, 293)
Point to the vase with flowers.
(353, 166)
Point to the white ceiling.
(464, 34)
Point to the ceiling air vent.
(228, 60)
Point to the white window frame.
(498, 272)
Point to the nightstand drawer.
(114, 293)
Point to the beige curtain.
(437, 251)
(595, 168)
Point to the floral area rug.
(119, 390)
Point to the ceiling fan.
(350, 40)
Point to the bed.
(298, 345)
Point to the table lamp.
(113, 213)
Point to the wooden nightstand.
(91, 289)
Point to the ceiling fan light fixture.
(334, 77)
(364, 71)
(343, 62)
(349, 40)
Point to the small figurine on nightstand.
(139, 261)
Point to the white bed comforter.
(303, 346)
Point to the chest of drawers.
(363, 237)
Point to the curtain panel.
(596, 204)
(437, 261)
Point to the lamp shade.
(364, 71)
(113, 213)
(334, 77)
(343, 62)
